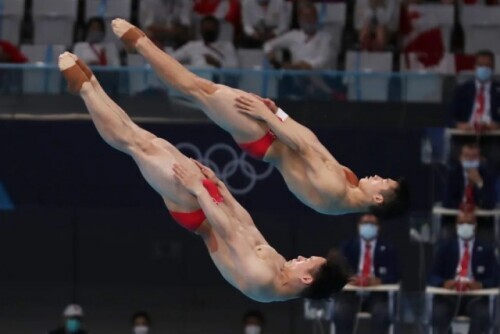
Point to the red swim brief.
(189, 220)
(193, 220)
(259, 148)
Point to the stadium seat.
(140, 79)
(42, 80)
(481, 26)
(368, 87)
(54, 21)
(108, 10)
(332, 17)
(11, 16)
(251, 59)
(425, 84)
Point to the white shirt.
(373, 243)
(315, 50)
(461, 244)
(90, 53)
(274, 15)
(193, 53)
(487, 103)
(165, 12)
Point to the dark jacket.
(446, 257)
(385, 263)
(485, 198)
(465, 96)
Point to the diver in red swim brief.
(200, 202)
(308, 168)
(258, 148)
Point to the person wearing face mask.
(310, 48)
(94, 51)
(476, 104)
(209, 52)
(463, 263)
(141, 323)
(470, 182)
(263, 20)
(253, 322)
(374, 262)
(73, 321)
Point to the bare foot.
(72, 72)
(128, 33)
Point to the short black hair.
(396, 202)
(95, 19)
(486, 53)
(210, 18)
(254, 314)
(330, 278)
(141, 314)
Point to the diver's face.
(375, 186)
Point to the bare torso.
(308, 183)
(245, 260)
(305, 180)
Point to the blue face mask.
(368, 231)
(470, 164)
(73, 325)
(466, 231)
(483, 73)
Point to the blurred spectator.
(166, 21)
(476, 104)
(470, 182)
(94, 51)
(374, 22)
(209, 52)
(9, 53)
(375, 262)
(310, 47)
(73, 321)
(263, 20)
(253, 322)
(141, 323)
(463, 263)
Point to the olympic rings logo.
(238, 163)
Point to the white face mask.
(466, 231)
(141, 330)
(252, 329)
(470, 164)
(368, 231)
